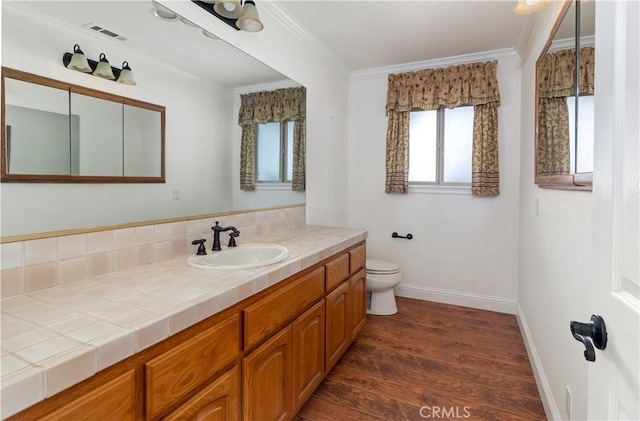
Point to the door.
(613, 379)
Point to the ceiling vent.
(104, 31)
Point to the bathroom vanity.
(259, 358)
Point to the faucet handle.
(201, 249)
(232, 239)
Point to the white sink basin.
(244, 256)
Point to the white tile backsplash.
(98, 242)
(11, 255)
(72, 246)
(40, 251)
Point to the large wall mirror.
(565, 100)
(59, 132)
(197, 77)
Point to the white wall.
(555, 258)
(197, 133)
(464, 249)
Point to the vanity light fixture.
(525, 7)
(77, 61)
(240, 15)
(126, 76)
(103, 69)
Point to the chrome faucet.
(217, 229)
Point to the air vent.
(105, 32)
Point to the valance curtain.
(468, 84)
(276, 106)
(556, 73)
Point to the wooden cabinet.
(114, 400)
(357, 303)
(220, 401)
(266, 383)
(308, 353)
(337, 324)
(173, 374)
(261, 359)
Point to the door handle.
(592, 335)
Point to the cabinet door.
(220, 401)
(115, 400)
(357, 303)
(337, 328)
(308, 353)
(266, 380)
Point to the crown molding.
(12, 8)
(503, 54)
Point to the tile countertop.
(57, 337)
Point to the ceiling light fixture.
(77, 61)
(239, 15)
(525, 7)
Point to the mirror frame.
(6, 177)
(576, 181)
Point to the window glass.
(268, 152)
(423, 130)
(458, 143)
(585, 133)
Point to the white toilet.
(381, 278)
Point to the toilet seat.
(380, 267)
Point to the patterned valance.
(288, 104)
(556, 73)
(430, 89)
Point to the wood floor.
(431, 361)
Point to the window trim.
(439, 184)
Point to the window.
(440, 146)
(274, 152)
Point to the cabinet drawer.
(337, 271)
(276, 310)
(357, 258)
(114, 400)
(180, 370)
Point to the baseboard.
(549, 403)
(465, 299)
